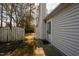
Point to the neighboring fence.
(14, 34)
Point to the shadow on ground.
(49, 49)
(18, 48)
(26, 47)
(29, 47)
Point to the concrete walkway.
(49, 49)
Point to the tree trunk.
(30, 13)
(11, 16)
(1, 14)
(6, 16)
(16, 16)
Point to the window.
(49, 28)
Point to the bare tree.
(21, 14)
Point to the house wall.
(14, 34)
(65, 29)
(41, 28)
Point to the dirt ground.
(26, 47)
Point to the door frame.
(48, 35)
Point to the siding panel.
(65, 26)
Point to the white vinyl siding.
(65, 30)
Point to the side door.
(49, 31)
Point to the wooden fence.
(14, 34)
